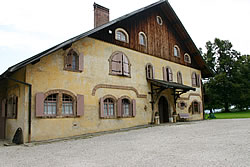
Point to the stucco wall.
(48, 74)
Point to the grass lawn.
(232, 115)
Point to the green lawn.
(232, 115)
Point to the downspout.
(152, 103)
(29, 117)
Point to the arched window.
(109, 107)
(187, 58)
(119, 64)
(179, 77)
(196, 107)
(73, 61)
(195, 79)
(159, 20)
(59, 103)
(50, 105)
(121, 35)
(126, 107)
(142, 39)
(167, 74)
(149, 71)
(176, 51)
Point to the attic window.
(176, 51)
(121, 35)
(159, 20)
(142, 39)
(187, 58)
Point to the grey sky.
(28, 27)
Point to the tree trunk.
(226, 107)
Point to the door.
(163, 110)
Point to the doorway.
(163, 110)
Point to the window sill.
(108, 117)
(129, 76)
(68, 69)
(59, 116)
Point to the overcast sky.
(28, 27)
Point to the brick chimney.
(101, 15)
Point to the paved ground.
(202, 143)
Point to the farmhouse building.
(119, 74)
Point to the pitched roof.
(164, 3)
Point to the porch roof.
(170, 85)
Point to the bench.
(183, 116)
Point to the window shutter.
(80, 105)
(116, 64)
(81, 62)
(164, 73)
(119, 107)
(198, 80)
(134, 107)
(147, 73)
(3, 107)
(125, 65)
(170, 74)
(193, 79)
(101, 107)
(153, 72)
(39, 104)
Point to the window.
(119, 64)
(9, 107)
(142, 39)
(182, 105)
(121, 35)
(59, 103)
(107, 106)
(126, 107)
(73, 61)
(187, 58)
(196, 107)
(179, 77)
(149, 71)
(167, 74)
(195, 79)
(176, 51)
(159, 20)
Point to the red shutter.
(164, 73)
(39, 104)
(81, 62)
(153, 72)
(116, 64)
(170, 74)
(125, 65)
(80, 105)
(134, 107)
(101, 108)
(119, 108)
(3, 107)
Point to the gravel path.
(202, 143)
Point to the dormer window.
(142, 39)
(121, 35)
(176, 51)
(187, 58)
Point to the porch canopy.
(157, 86)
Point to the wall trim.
(107, 86)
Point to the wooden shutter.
(3, 107)
(119, 107)
(164, 73)
(101, 107)
(147, 73)
(39, 104)
(134, 107)
(198, 80)
(193, 79)
(81, 62)
(80, 105)
(116, 64)
(170, 74)
(153, 72)
(125, 65)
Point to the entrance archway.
(163, 110)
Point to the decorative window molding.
(121, 35)
(176, 51)
(159, 20)
(108, 106)
(142, 39)
(182, 105)
(195, 107)
(167, 74)
(10, 107)
(73, 61)
(119, 64)
(59, 103)
(150, 73)
(179, 77)
(195, 79)
(187, 58)
(126, 107)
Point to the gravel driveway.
(202, 143)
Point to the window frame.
(179, 77)
(123, 32)
(121, 66)
(178, 51)
(198, 105)
(189, 58)
(143, 35)
(101, 104)
(167, 74)
(148, 67)
(10, 107)
(195, 80)
(180, 105)
(132, 107)
(159, 20)
(78, 60)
